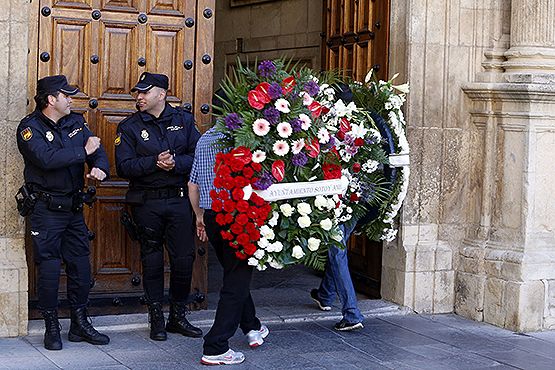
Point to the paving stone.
(522, 359)
(26, 363)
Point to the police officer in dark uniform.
(154, 150)
(55, 144)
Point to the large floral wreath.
(286, 128)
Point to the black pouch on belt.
(56, 203)
(135, 197)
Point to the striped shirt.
(202, 173)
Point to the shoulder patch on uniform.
(117, 141)
(27, 134)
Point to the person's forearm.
(194, 198)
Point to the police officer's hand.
(96, 174)
(165, 161)
(93, 143)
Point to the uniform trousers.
(171, 219)
(235, 306)
(60, 235)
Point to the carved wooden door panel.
(103, 46)
(356, 39)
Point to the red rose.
(237, 166)
(278, 170)
(228, 218)
(288, 84)
(243, 239)
(354, 197)
(256, 199)
(356, 167)
(254, 234)
(241, 181)
(256, 99)
(217, 205)
(223, 195)
(234, 245)
(242, 219)
(331, 171)
(240, 255)
(226, 235)
(236, 228)
(250, 249)
(248, 172)
(243, 206)
(229, 206)
(218, 184)
(359, 141)
(220, 219)
(256, 166)
(237, 194)
(213, 194)
(228, 183)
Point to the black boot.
(82, 330)
(157, 324)
(178, 323)
(52, 339)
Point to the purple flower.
(271, 114)
(296, 124)
(265, 181)
(330, 144)
(275, 90)
(312, 88)
(266, 68)
(299, 159)
(233, 121)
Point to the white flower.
(263, 243)
(370, 166)
(314, 244)
(304, 208)
(277, 247)
(404, 88)
(369, 75)
(259, 253)
(326, 224)
(338, 237)
(258, 156)
(267, 232)
(297, 252)
(320, 202)
(306, 121)
(274, 220)
(261, 267)
(358, 131)
(275, 264)
(304, 222)
(281, 148)
(388, 235)
(284, 129)
(307, 99)
(282, 105)
(286, 210)
(343, 110)
(297, 146)
(261, 127)
(323, 135)
(252, 261)
(331, 203)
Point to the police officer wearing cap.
(55, 144)
(154, 150)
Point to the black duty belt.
(165, 193)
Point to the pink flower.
(284, 129)
(306, 121)
(307, 99)
(323, 135)
(258, 156)
(297, 146)
(261, 127)
(281, 148)
(282, 105)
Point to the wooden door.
(103, 46)
(357, 39)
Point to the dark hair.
(41, 99)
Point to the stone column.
(506, 274)
(531, 57)
(14, 28)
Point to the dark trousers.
(60, 236)
(235, 307)
(171, 219)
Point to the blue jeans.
(337, 279)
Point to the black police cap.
(51, 84)
(148, 80)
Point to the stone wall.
(289, 28)
(14, 26)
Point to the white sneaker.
(256, 337)
(229, 358)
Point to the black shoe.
(82, 330)
(178, 323)
(157, 324)
(316, 298)
(52, 338)
(344, 325)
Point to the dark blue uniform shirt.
(54, 153)
(141, 137)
